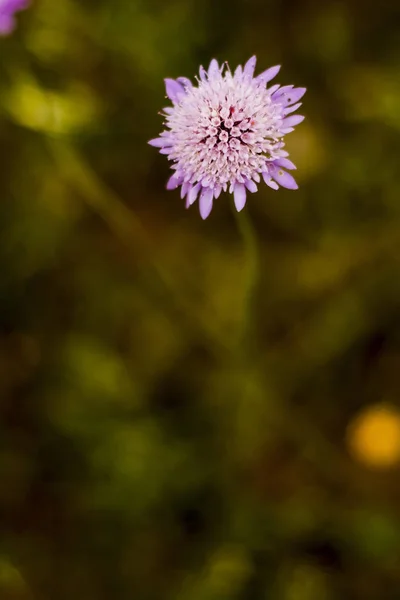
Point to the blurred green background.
(198, 410)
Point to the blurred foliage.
(198, 410)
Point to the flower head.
(227, 132)
(8, 8)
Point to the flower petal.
(284, 179)
(203, 73)
(206, 202)
(251, 186)
(193, 193)
(239, 196)
(285, 163)
(217, 191)
(174, 90)
(289, 95)
(269, 181)
(173, 182)
(238, 73)
(213, 68)
(280, 92)
(274, 88)
(159, 142)
(187, 84)
(291, 109)
(249, 67)
(295, 95)
(184, 189)
(292, 121)
(269, 74)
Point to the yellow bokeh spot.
(228, 570)
(374, 436)
(49, 111)
(11, 580)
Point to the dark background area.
(198, 410)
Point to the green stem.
(249, 239)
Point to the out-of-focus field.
(198, 410)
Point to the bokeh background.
(198, 410)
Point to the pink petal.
(291, 109)
(292, 121)
(284, 179)
(285, 163)
(217, 191)
(274, 88)
(249, 67)
(239, 196)
(288, 95)
(160, 142)
(213, 69)
(280, 92)
(251, 186)
(174, 90)
(203, 74)
(184, 189)
(206, 202)
(187, 84)
(173, 182)
(269, 74)
(295, 95)
(193, 193)
(269, 181)
(238, 73)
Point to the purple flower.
(8, 8)
(227, 132)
